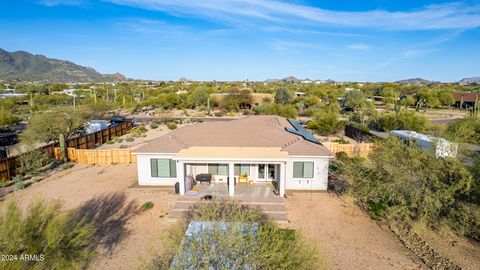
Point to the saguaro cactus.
(62, 147)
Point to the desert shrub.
(18, 180)
(270, 248)
(341, 141)
(219, 113)
(67, 165)
(110, 142)
(138, 130)
(130, 139)
(7, 118)
(465, 130)
(405, 120)
(146, 206)
(120, 140)
(32, 161)
(313, 125)
(171, 125)
(288, 111)
(153, 125)
(415, 186)
(60, 240)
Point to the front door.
(271, 172)
(266, 172)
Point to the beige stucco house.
(261, 148)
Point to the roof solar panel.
(301, 131)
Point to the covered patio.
(256, 171)
(261, 191)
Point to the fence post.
(8, 169)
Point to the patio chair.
(243, 179)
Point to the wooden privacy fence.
(98, 156)
(354, 149)
(9, 166)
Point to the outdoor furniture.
(204, 177)
(243, 179)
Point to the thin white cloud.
(359, 47)
(62, 2)
(455, 15)
(411, 53)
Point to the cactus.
(62, 147)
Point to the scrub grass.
(236, 247)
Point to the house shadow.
(109, 214)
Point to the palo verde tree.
(57, 240)
(49, 125)
(283, 96)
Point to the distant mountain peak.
(183, 79)
(414, 81)
(24, 66)
(470, 80)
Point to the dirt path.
(348, 238)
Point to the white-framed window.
(241, 169)
(163, 168)
(218, 169)
(303, 169)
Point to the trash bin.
(177, 187)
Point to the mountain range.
(24, 66)
(471, 80)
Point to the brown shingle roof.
(252, 131)
(467, 97)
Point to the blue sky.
(344, 40)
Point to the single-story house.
(261, 148)
(466, 99)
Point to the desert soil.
(345, 236)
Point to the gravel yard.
(345, 236)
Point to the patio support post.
(181, 176)
(231, 177)
(283, 179)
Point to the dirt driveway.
(347, 238)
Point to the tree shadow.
(109, 215)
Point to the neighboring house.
(466, 99)
(265, 148)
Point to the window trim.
(303, 170)
(172, 168)
(218, 165)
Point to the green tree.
(7, 118)
(200, 97)
(446, 97)
(47, 126)
(288, 111)
(405, 120)
(283, 96)
(361, 106)
(389, 95)
(328, 119)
